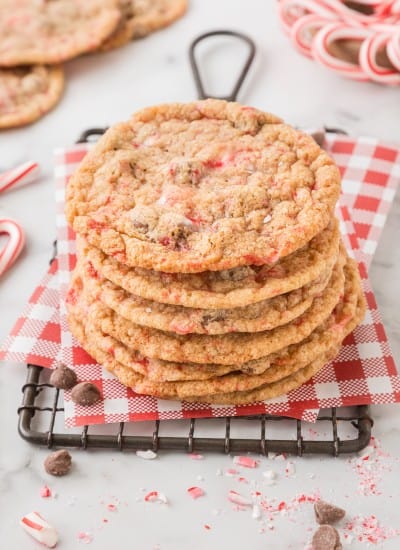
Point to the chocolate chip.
(85, 393)
(63, 378)
(58, 463)
(319, 137)
(326, 538)
(327, 513)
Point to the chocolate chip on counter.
(63, 378)
(58, 463)
(85, 393)
(327, 513)
(326, 538)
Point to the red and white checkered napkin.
(363, 373)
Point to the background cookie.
(141, 17)
(27, 93)
(51, 32)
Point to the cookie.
(225, 349)
(298, 356)
(28, 93)
(209, 185)
(222, 289)
(264, 315)
(278, 366)
(52, 32)
(284, 361)
(142, 17)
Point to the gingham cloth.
(363, 373)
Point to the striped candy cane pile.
(11, 179)
(314, 26)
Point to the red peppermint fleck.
(165, 241)
(97, 226)
(91, 271)
(245, 461)
(72, 296)
(213, 163)
(45, 492)
(112, 507)
(238, 499)
(195, 492)
(206, 526)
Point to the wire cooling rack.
(337, 431)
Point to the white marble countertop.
(101, 90)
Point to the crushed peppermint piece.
(206, 526)
(156, 496)
(327, 513)
(368, 529)
(112, 507)
(196, 456)
(290, 469)
(231, 472)
(270, 475)
(245, 461)
(84, 537)
(256, 512)
(196, 492)
(267, 218)
(45, 492)
(38, 528)
(146, 455)
(239, 499)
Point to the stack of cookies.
(210, 266)
(36, 36)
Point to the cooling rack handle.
(202, 94)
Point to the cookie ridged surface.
(224, 349)
(27, 93)
(209, 185)
(264, 315)
(285, 371)
(230, 288)
(37, 32)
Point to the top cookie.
(208, 185)
(33, 31)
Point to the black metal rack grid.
(348, 429)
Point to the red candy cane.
(19, 176)
(331, 33)
(14, 244)
(303, 31)
(367, 56)
(393, 50)
(314, 25)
